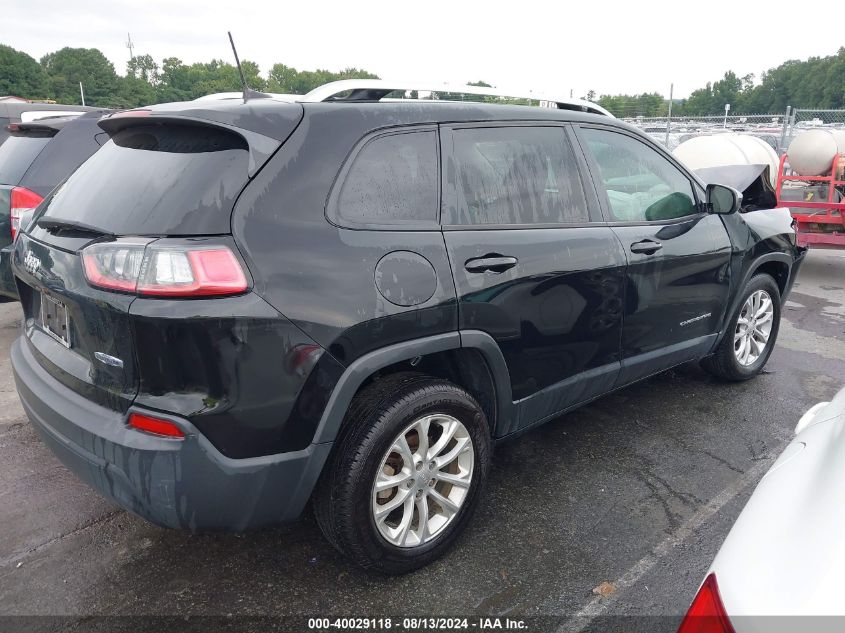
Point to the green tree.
(143, 67)
(647, 104)
(67, 67)
(289, 80)
(22, 76)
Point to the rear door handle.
(490, 264)
(646, 247)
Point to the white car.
(785, 555)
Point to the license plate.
(54, 319)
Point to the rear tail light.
(707, 613)
(156, 426)
(164, 271)
(23, 200)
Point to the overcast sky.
(610, 47)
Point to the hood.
(752, 181)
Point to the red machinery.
(820, 210)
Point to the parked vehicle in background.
(18, 111)
(816, 197)
(35, 158)
(785, 554)
(233, 305)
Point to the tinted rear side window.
(157, 180)
(392, 180)
(16, 155)
(517, 175)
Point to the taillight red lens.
(707, 613)
(22, 200)
(192, 272)
(156, 426)
(164, 271)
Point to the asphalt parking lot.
(636, 490)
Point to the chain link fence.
(671, 132)
(776, 129)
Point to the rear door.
(678, 256)
(534, 265)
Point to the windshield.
(17, 154)
(156, 180)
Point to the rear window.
(71, 147)
(16, 155)
(157, 180)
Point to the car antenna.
(248, 93)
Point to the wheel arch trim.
(362, 368)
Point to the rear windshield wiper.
(70, 226)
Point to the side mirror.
(723, 200)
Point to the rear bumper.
(8, 289)
(174, 483)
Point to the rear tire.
(751, 333)
(381, 529)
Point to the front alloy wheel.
(751, 333)
(753, 327)
(423, 480)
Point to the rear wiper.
(71, 226)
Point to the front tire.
(407, 473)
(751, 334)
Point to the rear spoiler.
(41, 128)
(261, 146)
(50, 125)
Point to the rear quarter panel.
(320, 276)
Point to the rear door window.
(517, 175)
(16, 155)
(391, 181)
(157, 180)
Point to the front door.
(534, 264)
(678, 255)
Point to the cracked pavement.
(578, 502)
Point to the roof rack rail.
(377, 89)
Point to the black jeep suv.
(236, 307)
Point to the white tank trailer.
(811, 153)
(722, 150)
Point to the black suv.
(35, 158)
(234, 308)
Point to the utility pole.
(81, 93)
(131, 46)
(669, 116)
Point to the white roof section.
(376, 89)
(36, 115)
